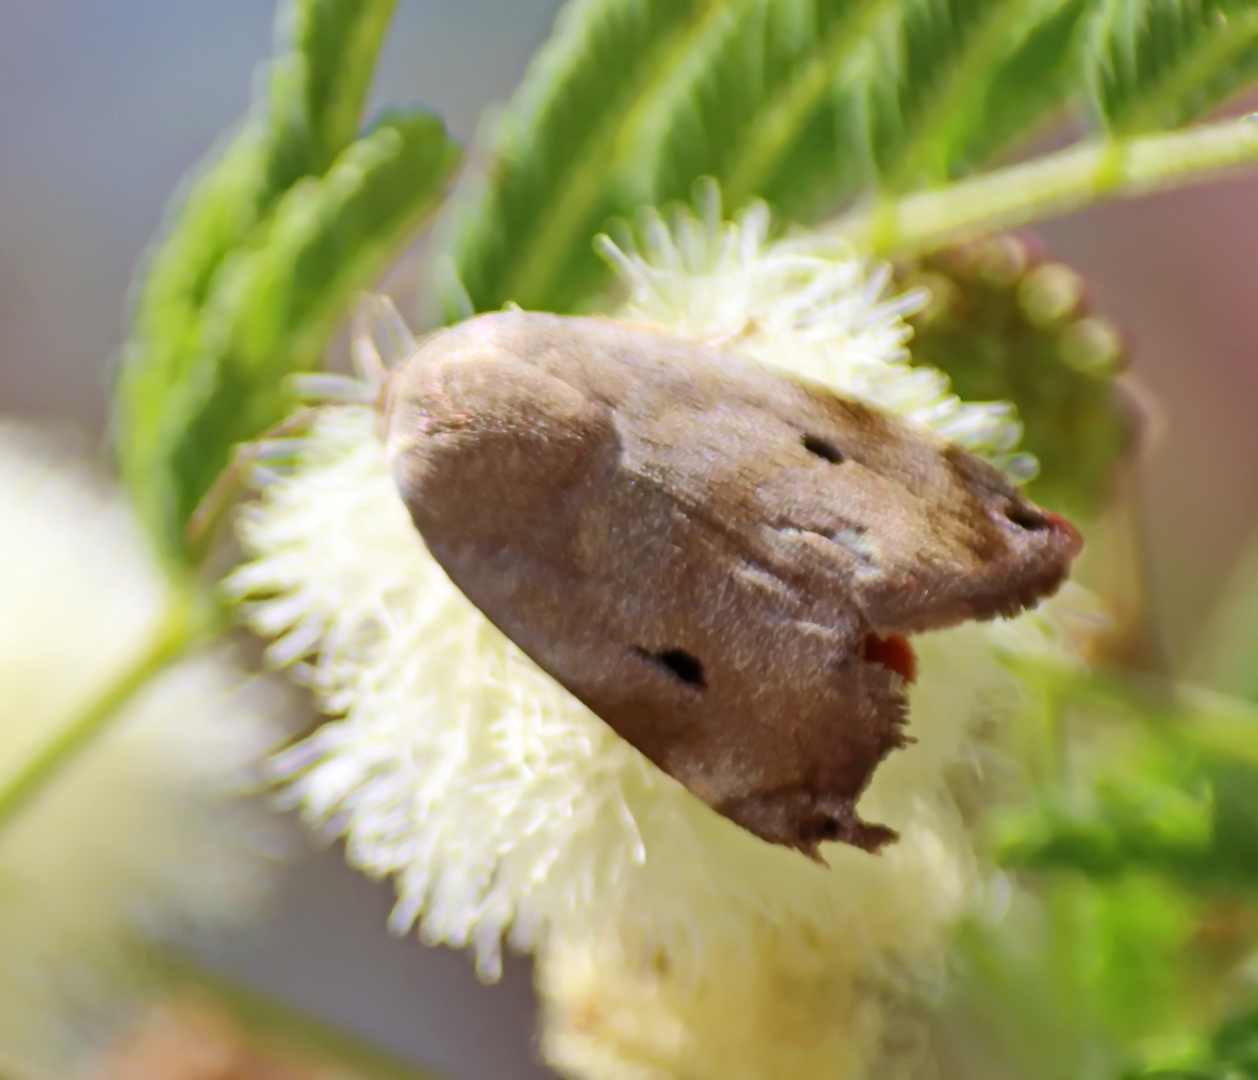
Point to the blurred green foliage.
(1130, 911)
(1227, 656)
(802, 102)
(1231, 1053)
(1074, 979)
(1160, 780)
(1158, 63)
(262, 254)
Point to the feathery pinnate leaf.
(803, 102)
(929, 80)
(1156, 64)
(770, 111)
(1030, 84)
(295, 127)
(265, 248)
(520, 226)
(274, 307)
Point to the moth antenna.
(367, 362)
(453, 293)
(401, 341)
(207, 519)
(377, 323)
(339, 389)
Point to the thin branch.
(180, 626)
(1050, 186)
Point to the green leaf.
(289, 186)
(1075, 975)
(1231, 1053)
(1165, 782)
(1157, 64)
(337, 42)
(1147, 815)
(929, 91)
(769, 111)
(1027, 87)
(519, 228)
(271, 307)
(305, 114)
(631, 101)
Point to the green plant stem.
(180, 625)
(1050, 186)
(266, 1018)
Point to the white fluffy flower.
(807, 306)
(135, 830)
(503, 807)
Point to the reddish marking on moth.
(894, 652)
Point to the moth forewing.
(719, 560)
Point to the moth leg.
(205, 523)
(803, 820)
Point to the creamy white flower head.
(807, 305)
(137, 831)
(503, 808)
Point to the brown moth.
(719, 560)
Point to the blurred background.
(105, 106)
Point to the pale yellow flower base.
(783, 1009)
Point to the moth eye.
(1025, 517)
(823, 448)
(687, 667)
